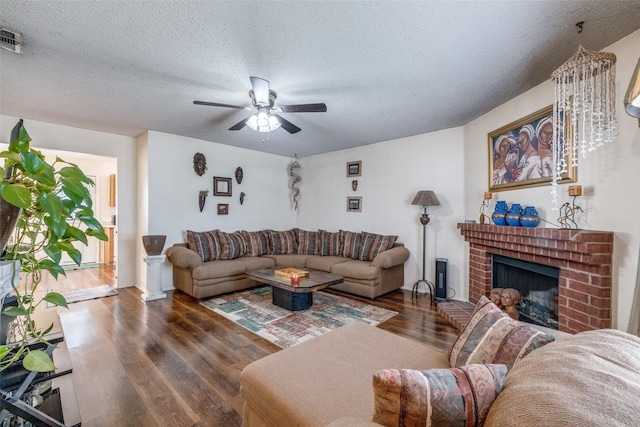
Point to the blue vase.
(529, 217)
(499, 213)
(513, 217)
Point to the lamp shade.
(426, 198)
(632, 98)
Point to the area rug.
(254, 311)
(77, 295)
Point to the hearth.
(537, 285)
(583, 258)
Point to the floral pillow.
(491, 336)
(436, 397)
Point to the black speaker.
(441, 279)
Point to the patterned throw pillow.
(329, 243)
(256, 242)
(373, 244)
(205, 244)
(282, 242)
(231, 245)
(436, 397)
(351, 243)
(491, 336)
(308, 242)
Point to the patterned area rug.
(77, 295)
(254, 311)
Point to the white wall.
(173, 187)
(58, 137)
(392, 173)
(608, 176)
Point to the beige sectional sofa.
(215, 262)
(591, 378)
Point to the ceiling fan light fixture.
(263, 122)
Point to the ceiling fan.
(264, 120)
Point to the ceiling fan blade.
(242, 123)
(287, 125)
(260, 90)
(303, 108)
(215, 104)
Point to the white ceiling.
(385, 69)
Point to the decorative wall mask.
(239, 175)
(199, 163)
(354, 185)
(242, 197)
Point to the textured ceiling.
(385, 70)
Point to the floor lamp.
(424, 199)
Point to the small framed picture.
(354, 168)
(221, 186)
(223, 209)
(354, 204)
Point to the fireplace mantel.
(584, 258)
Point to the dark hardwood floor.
(173, 362)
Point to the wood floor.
(173, 362)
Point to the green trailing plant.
(55, 211)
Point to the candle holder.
(484, 218)
(568, 210)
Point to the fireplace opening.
(537, 285)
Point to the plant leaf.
(52, 205)
(38, 361)
(100, 235)
(58, 228)
(75, 172)
(32, 163)
(15, 311)
(4, 350)
(17, 194)
(76, 234)
(52, 267)
(91, 222)
(56, 299)
(54, 252)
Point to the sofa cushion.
(351, 244)
(308, 242)
(219, 269)
(372, 244)
(491, 336)
(290, 260)
(587, 379)
(256, 262)
(436, 397)
(256, 242)
(330, 243)
(282, 242)
(206, 244)
(231, 245)
(356, 270)
(324, 263)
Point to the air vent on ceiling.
(10, 40)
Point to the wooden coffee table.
(294, 298)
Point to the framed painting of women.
(521, 154)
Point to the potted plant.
(48, 203)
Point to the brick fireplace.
(583, 257)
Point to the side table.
(154, 278)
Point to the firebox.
(537, 285)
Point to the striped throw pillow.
(329, 243)
(205, 244)
(351, 244)
(231, 245)
(282, 242)
(436, 397)
(308, 242)
(373, 244)
(491, 336)
(256, 242)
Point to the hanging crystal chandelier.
(584, 109)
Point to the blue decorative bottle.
(513, 217)
(529, 217)
(499, 213)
